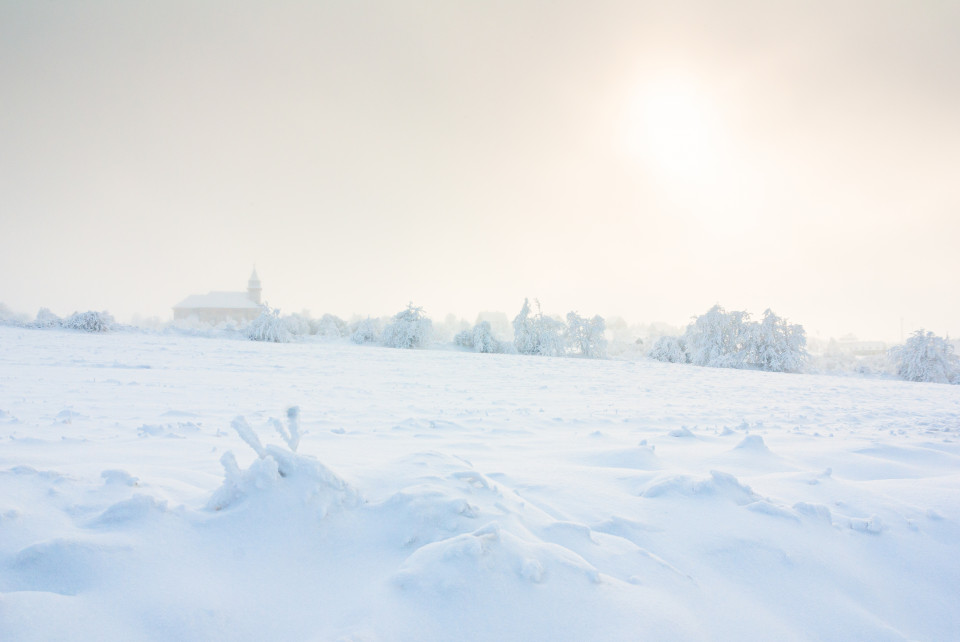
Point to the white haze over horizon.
(636, 159)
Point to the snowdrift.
(456, 496)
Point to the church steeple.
(253, 287)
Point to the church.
(218, 307)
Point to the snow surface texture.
(157, 488)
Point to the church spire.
(253, 286)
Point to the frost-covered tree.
(298, 325)
(9, 317)
(537, 334)
(776, 345)
(464, 339)
(449, 328)
(669, 349)
(329, 325)
(479, 339)
(730, 340)
(586, 336)
(90, 321)
(366, 331)
(719, 339)
(499, 323)
(926, 357)
(47, 319)
(268, 327)
(408, 328)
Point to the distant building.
(859, 348)
(217, 307)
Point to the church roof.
(218, 300)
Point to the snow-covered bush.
(499, 323)
(269, 327)
(537, 334)
(776, 345)
(448, 329)
(926, 357)
(586, 336)
(279, 477)
(723, 339)
(844, 363)
(408, 328)
(366, 331)
(90, 321)
(329, 326)
(669, 349)
(479, 339)
(298, 325)
(719, 339)
(9, 317)
(47, 319)
(464, 339)
(483, 339)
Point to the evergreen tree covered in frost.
(926, 357)
(90, 321)
(537, 334)
(479, 339)
(669, 349)
(366, 331)
(776, 345)
(586, 336)
(268, 327)
(408, 328)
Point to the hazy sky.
(640, 159)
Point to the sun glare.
(670, 129)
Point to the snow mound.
(488, 558)
(639, 458)
(872, 524)
(135, 509)
(429, 513)
(428, 425)
(68, 415)
(178, 430)
(752, 454)
(816, 511)
(682, 433)
(752, 443)
(119, 477)
(719, 484)
(279, 471)
(446, 496)
(764, 507)
(59, 565)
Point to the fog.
(635, 159)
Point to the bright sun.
(670, 129)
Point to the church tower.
(253, 287)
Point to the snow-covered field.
(440, 495)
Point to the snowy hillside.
(440, 495)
